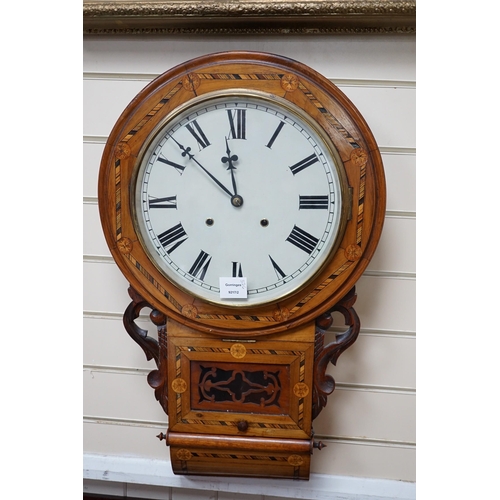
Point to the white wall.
(369, 421)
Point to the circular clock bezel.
(262, 98)
(331, 112)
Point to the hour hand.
(236, 199)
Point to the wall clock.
(242, 195)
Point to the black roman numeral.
(302, 239)
(179, 168)
(237, 271)
(173, 237)
(167, 202)
(200, 266)
(237, 123)
(276, 133)
(302, 164)
(279, 273)
(198, 134)
(313, 202)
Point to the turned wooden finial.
(324, 321)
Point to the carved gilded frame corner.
(253, 17)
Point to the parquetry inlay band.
(289, 83)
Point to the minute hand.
(187, 152)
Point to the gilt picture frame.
(252, 17)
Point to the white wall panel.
(108, 344)
(127, 396)
(389, 111)
(124, 396)
(374, 360)
(386, 303)
(363, 57)
(94, 243)
(383, 303)
(365, 460)
(368, 423)
(340, 457)
(124, 440)
(377, 360)
(92, 152)
(396, 251)
(390, 415)
(400, 177)
(104, 101)
(104, 288)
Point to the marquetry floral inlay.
(124, 245)
(238, 351)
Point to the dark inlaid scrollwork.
(242, 386)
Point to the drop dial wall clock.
(242, 195)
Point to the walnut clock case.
(242, 195)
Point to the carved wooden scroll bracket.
(149, 345)
(324, 384)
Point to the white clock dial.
(239, 186)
